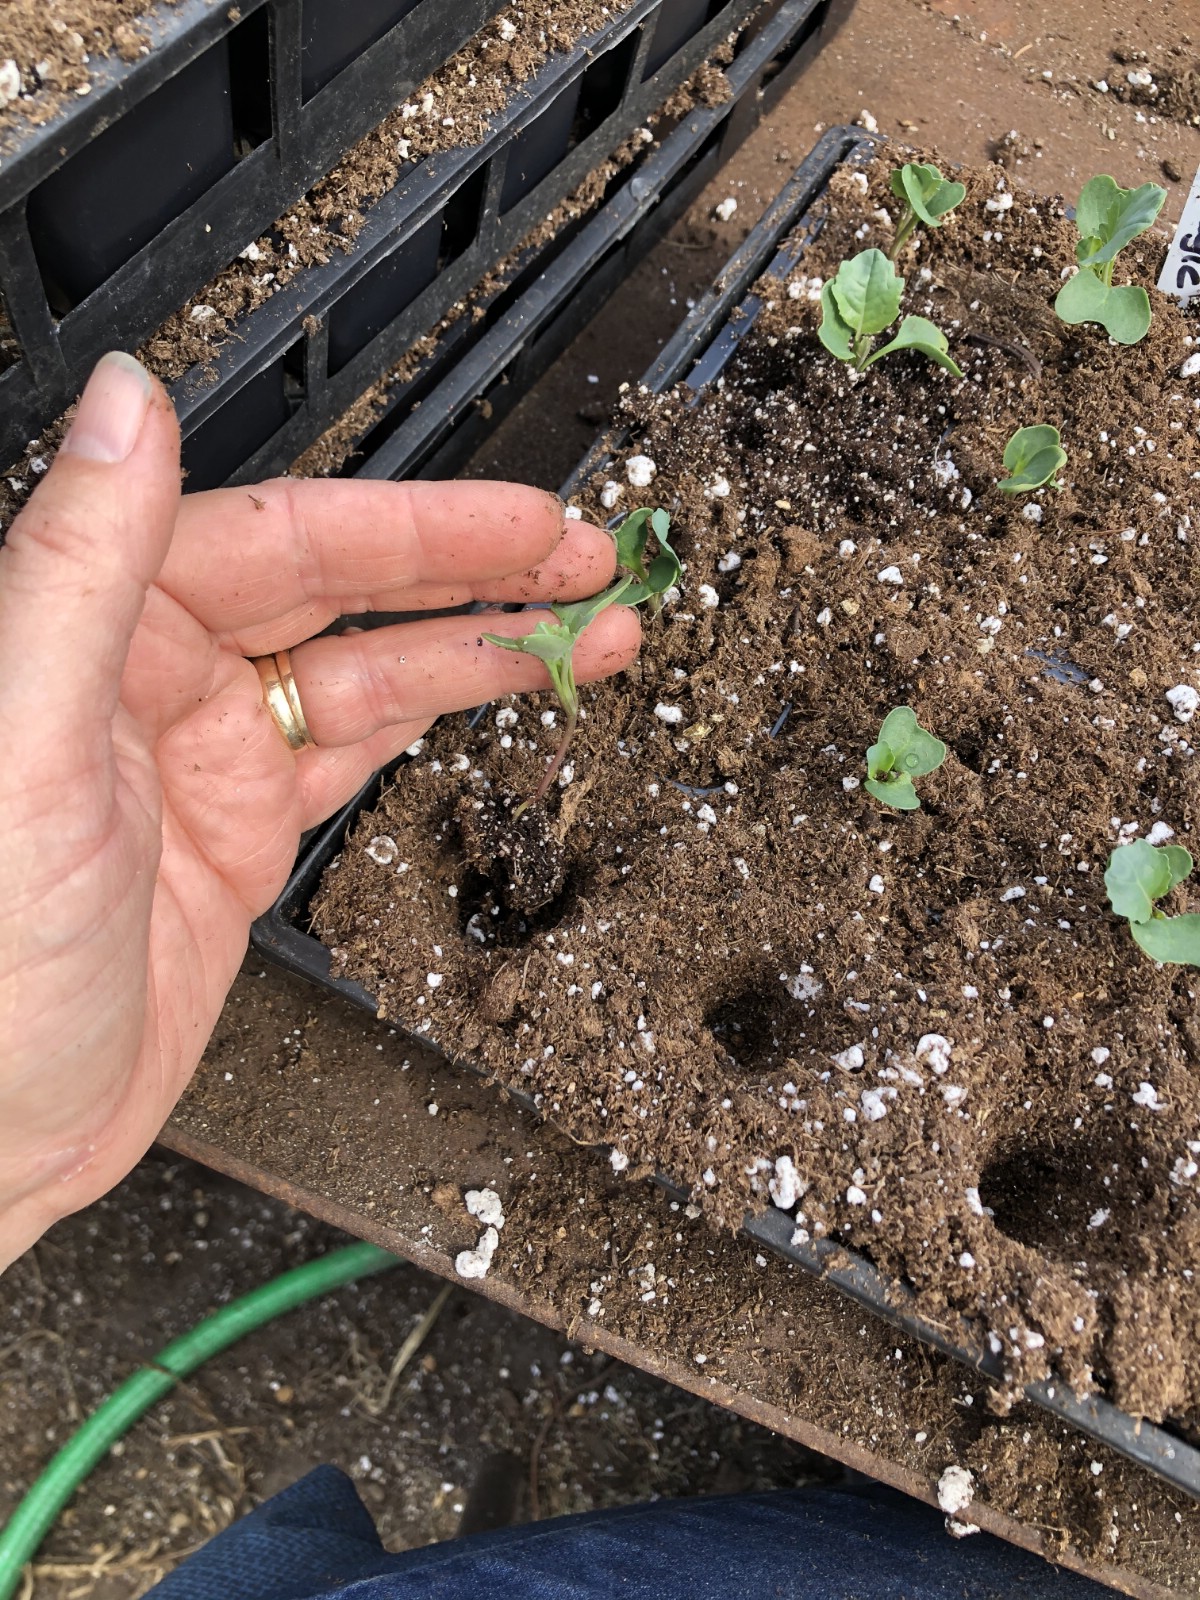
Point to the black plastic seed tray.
(298, 362)
(132, 197)
(465, 391)
(698, 353)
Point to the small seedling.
(927, 197)
(864, 299)
(1032, 456)
(1108, 218)
(904, 751)
(554, 642)
(1139, 874)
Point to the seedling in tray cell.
(1138, 875)
(1033, 455)
(864, 299)
(554, 642)
(904, 751)
(1108, 218)
(927, 197)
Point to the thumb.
(81, 555)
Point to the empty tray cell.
(334, 32)
(678, 21)
(537, 150)
(379, 297)
(605, 85)
(251, 416)
(99, 209)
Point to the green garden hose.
(37, 1512)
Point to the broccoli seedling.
(1108, 218)
(904, 751)
(864, 299)
(1139, 874)
(1032, 456)
(927, 197)
(554, 642)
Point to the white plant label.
(1180, 275)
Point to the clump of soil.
(520, 860)
(981, 1082)
(1167, 83)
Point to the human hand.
(149, 806)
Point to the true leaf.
(929, 194)
(1108, 217)
(867, 290)
(918, 333)
(835, 332)
(664, 569)
(879, 760)
(895, 792)
(1174, 939)
(630, 540)
(1033, 455)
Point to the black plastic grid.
(502, 355)
(298, 362)
(698, 352)
(131, 198)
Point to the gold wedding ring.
(282, 698)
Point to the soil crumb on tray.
(46, 47)
(923, 1034)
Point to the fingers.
(266, 567)
(353, 686)
(79, 558)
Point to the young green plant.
(860, 302)
(1138, 875)
(1033, 455)
(927, 197)
(1108, 218)
(553, 643)
(903, 751)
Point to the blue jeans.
(316, 1540)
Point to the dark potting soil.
(980, 1080)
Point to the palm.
(138, 842)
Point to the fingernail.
(111, 410)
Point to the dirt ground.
(106, 1289)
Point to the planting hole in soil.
(984, 1083)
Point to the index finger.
(242, 559)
